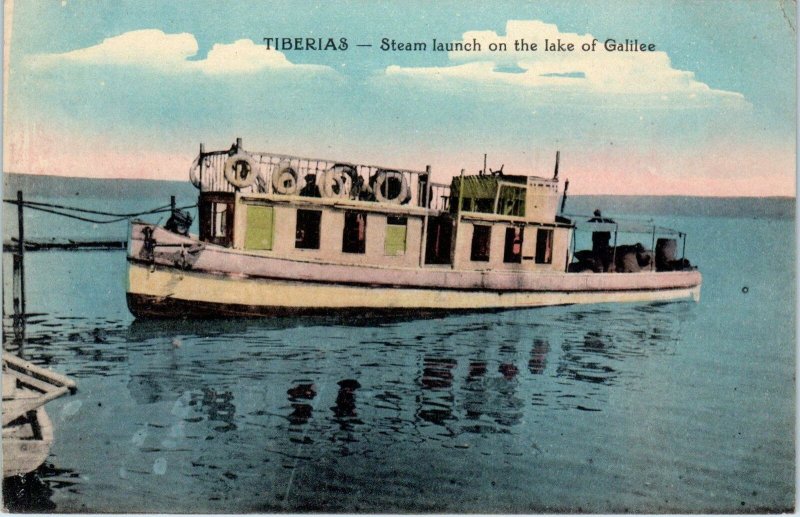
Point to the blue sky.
(129, 89)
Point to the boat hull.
(163, 291)
(26, 445)
(171, 275)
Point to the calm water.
(677, 407)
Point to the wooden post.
(614, 253)
(18, 280)
(21, 253)
(653, 249)
(172, 205)
(457, 229)
(683, 253)
(202, 159)
(423, 247)
(570, 249)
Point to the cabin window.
(544, 246)
(511, 201)
(395, 243)
(219, 219)
(258, 235)
(354, 237)
(481, 237)
(439, 240)
(307, 230)
(513, 247)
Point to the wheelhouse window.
(481, 238)
(512, 252)
(544, 246)
(395, 242)
(511, 201)
(219, 219)
(307, 229)
(354, 237)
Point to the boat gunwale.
(478, 289)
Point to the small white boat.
(283, 234)
(27, 430)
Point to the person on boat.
(601, 242)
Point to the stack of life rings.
(342, 181)
(339, 181)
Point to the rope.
(76, 209)
(117, 217)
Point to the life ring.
(337, 181)
(284, 180)
(386, 192)
(193, 172)
(240, 170)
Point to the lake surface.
(681, 407)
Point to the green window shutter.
(395, 243)
(259, 228)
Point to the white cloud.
(615, 77)
(172, 53)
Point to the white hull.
(164, 291)
(192, 278)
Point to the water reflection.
(426, 382)
(538, 360)
(301, 411)
(344, 411)
(588, 360)
(220, 408)
(436, 399)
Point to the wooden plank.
(32, 382)
(94, 245)
(25, 367)
(13, 409)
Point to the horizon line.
(707, 196)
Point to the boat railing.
(284, 174)
(630, 225)
(440, 196)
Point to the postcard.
(382, 257)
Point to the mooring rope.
(117, 217)
(76, 209)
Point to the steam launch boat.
(281, 234)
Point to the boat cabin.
(344, 213)
(323, 210)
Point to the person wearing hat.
(601, 241)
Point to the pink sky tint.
(727, 170)
(39, 151)
(721, 170)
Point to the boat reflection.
(436, 399)
(219, 407)
(143, 329)
(538, 359)
(202, 390)
(301, 411)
